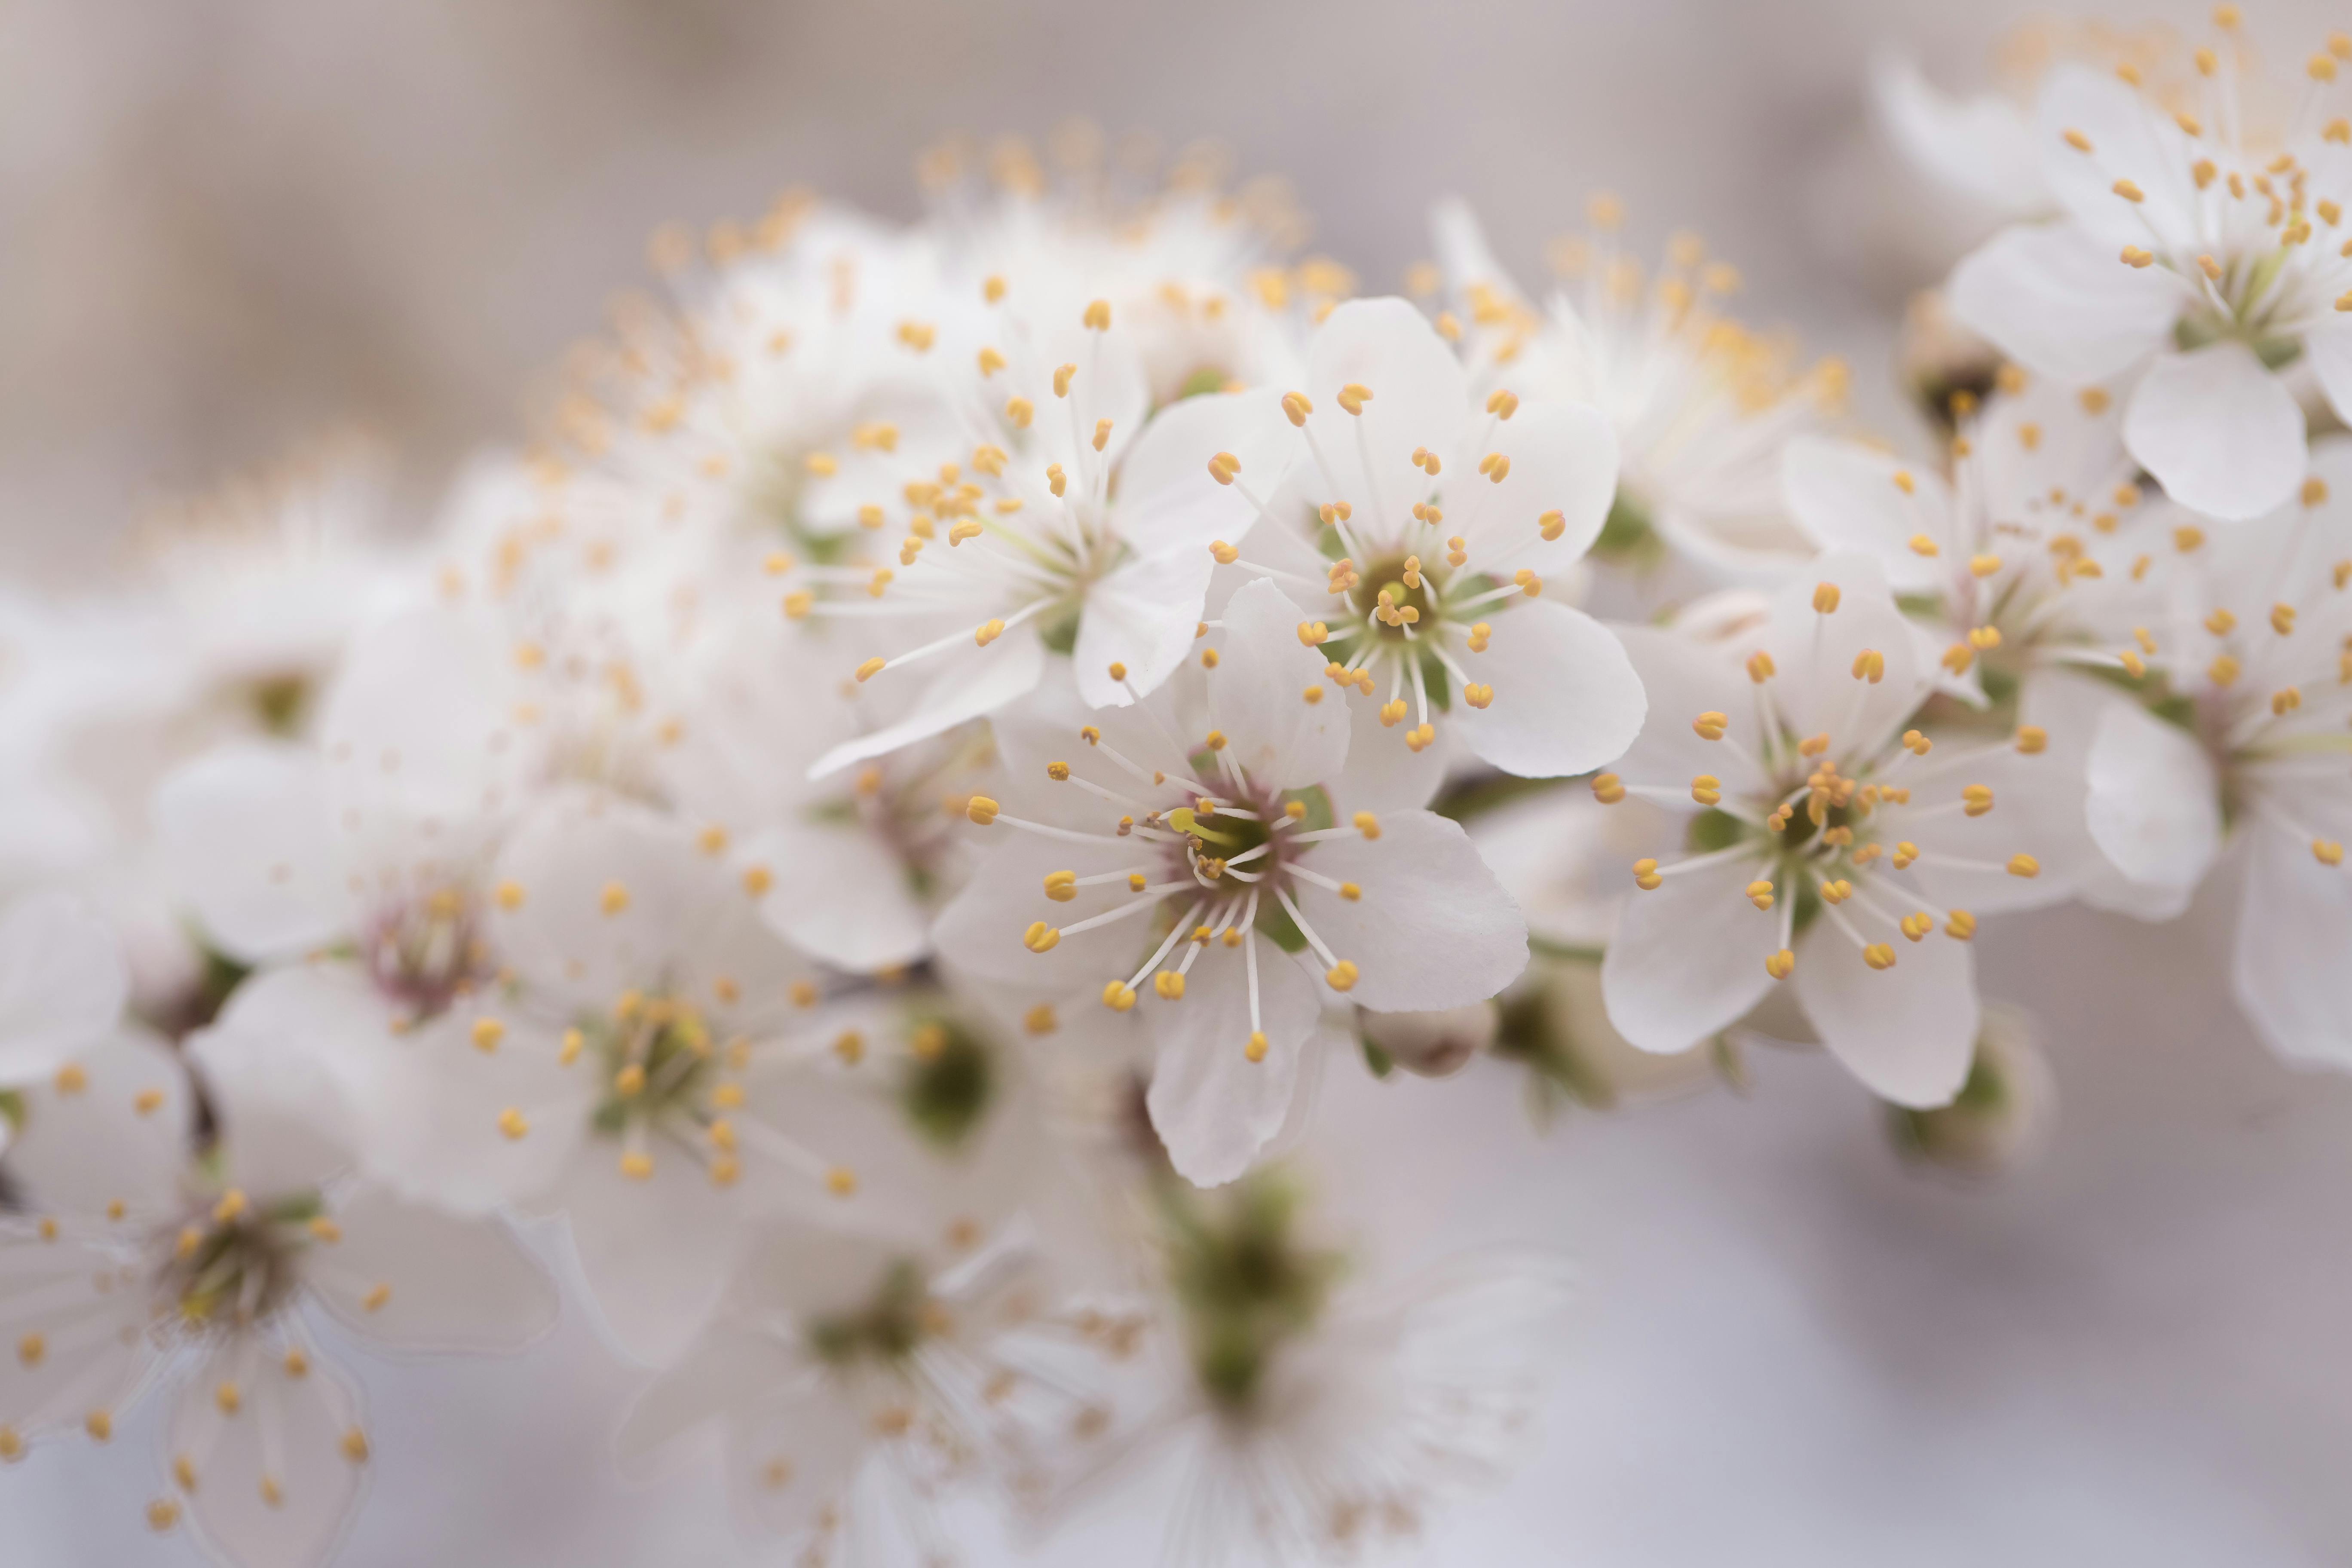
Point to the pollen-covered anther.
(1878, 955)
(2033, 739)
(1477, 694)
(1759, 893)
(2222, 671)
(1917, 926)
(1706, 789)
(1353, 397)
(1254, 1050)
(1870, 664)
(1367, 824)
(1608, 788)
(1646, 876)
(1311, 634)
(1527, 581)
(1061, 886)
(1710, 725)
(1168, 986)
(980, 810)
(1480, 633)
(1984, 639)
(1062, 376)
(2327, 851)
(1983, 565)
(1102, 435)
(1341, 977)
(1224, 466)
(1836, 890)
(1781, 965)
(1098, 315)
(1976, 799)
(2024, 866)
(1392, 713)
(841, 1182)
(1826, 598)
(2133, 256)
(513, 1124)
(1119, 997)
(1923, 545)
(2285, 700)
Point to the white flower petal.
(1258, 695)
(2152, 804)
(1145, 617)
(655, 1251)
(276, 1480)
(1214, 1109)
(1688, 959)
(1982, 148)
(1383, 774)
(844, 896)
(2288, 969)
(114, 1130)
(90, 1349)
(1909, 1033)
(1815, 688)
(791, 1456)
(63, 982)
(974, 684)
(1566, 697)
(723, 1370)
(1420, 398)
(1168, 500)
(1847, 496)
(246, 840)
(2059, 303)
(2329, 349)
(453, 1284)
(1563, 459)
(1682, 679)
(286, 1065)
(2220, 431)
(1433, 928)
(2130, 140)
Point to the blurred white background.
(226, 224)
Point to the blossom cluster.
(867, 834)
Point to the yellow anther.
(1870, 664)
(1098, 315)
(2077, 141)
(1761, 668)
(1040, 937)
(1983, 565)
(1061, 886)
(917, 335)
(1312, 633)
(1961, 926)
(355, 1446)
(1826, 598)
(1984, 639)
(1976, 799)
(1479, 694)
(1706, 789)
(2033, 739)
(2186, 538)
(1102, 434)
(487, 1033)
(756, 880)
(2327, 851)
(2024, 866)
(1311, 695)
(1216, 740)
(1019, 412)
(2285, 701)
(1710, 725)
(630, 1081)
(148, 1102)
(1878, 955)
(1646, 876)
(1781, 965)
(1368, 824)
(614, 898)
(1169, 984)
(100, 1425)
(2222, 671)
(1608, 788)
(1354, 396)
(1224, 466)
(1062, 380)
(2128, 191)
(511, 1122)
(70, 1079)
(1297, 407)
(1502, 405)
(822, 465)
(1759, 893)
(1255, 1050)
(1923, 545)
(163, 1513)
(1055, 481)
(987, 631)
(2282, 619)
(231, 1205)
(1341, 977)
(1119, 997)
(2133, 256)
(32, 1349)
